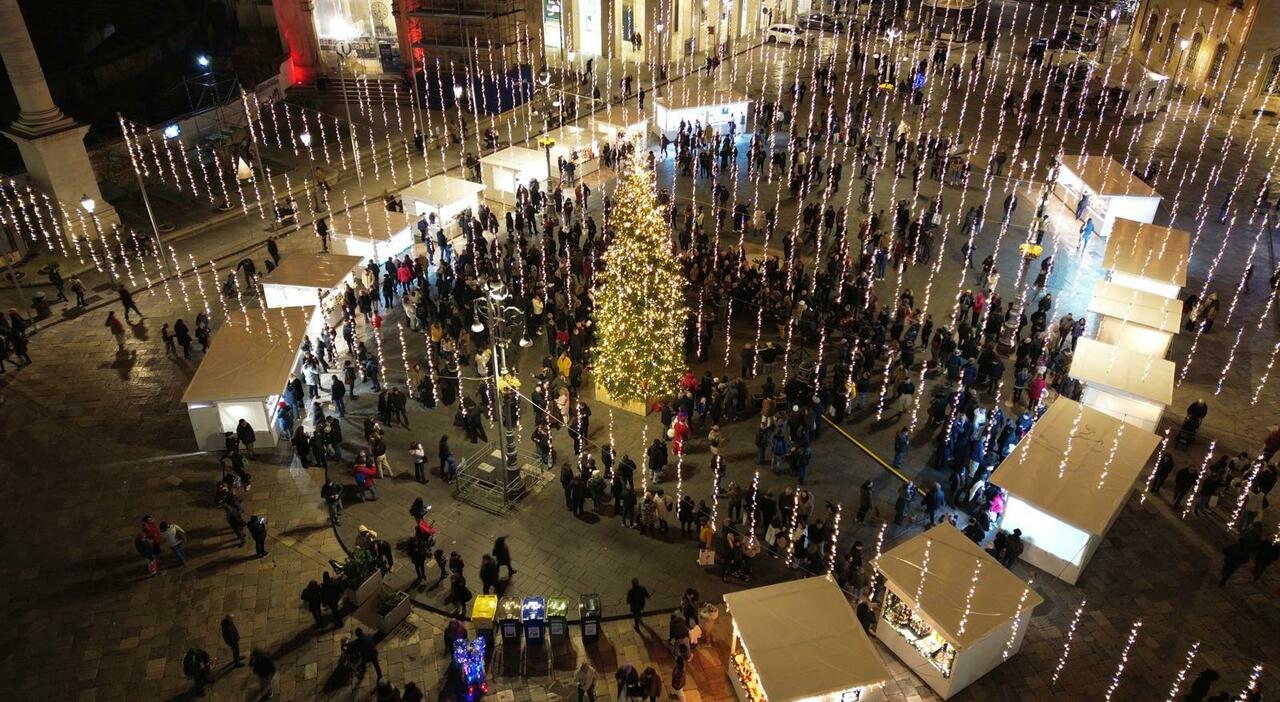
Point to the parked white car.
(785, 34)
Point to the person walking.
(126, 301)
(258, 530)
(586, 678)
(117, 329)
(637, 597)
(231, 636)
(265, 668)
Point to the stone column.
(51, 144)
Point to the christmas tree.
(640, 308)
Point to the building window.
(1219, 57)
(1193, 51)
(1272, 86)
(1149, 33)
(1172, 41)
(628, 22)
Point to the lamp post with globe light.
(493, 308)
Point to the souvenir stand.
(309, 280)
(503, 172)
(621, 120)
(715, 107)
(947, 638)
(372, 233)
(1114, 193)
(445, 197)
(1134, 319)
(243, 374)
(579, 145)
(800, 640)
(1129, 385)
(1147, 257)
(1067, 480)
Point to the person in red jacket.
(365, 474)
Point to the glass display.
(918, 633)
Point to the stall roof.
(1106, 176)
(952, 561)
(251, 355)
(1127, 371)
(1148, 251)
(1078, 441)
(682, 99)
(312, 270)
(804, 639)
(1136, 306)
(357, 222)
(442, 191)
(518, 158)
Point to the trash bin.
(558, 616)
(483, 613)
(589, 613)
(41, 305)
(509, 620)
(533, 615)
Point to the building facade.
(1212, 50)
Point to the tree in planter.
(640, 309)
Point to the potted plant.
(393, 607)
(362, 575)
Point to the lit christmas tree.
(640, 309)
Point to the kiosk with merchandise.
(1113, 192)
(244, 373)
(949, 638)
(443, 196)
(1067, 480)
(1132, 386)
(800, 640)
(373, 233)
(715, 107)
(1147, 257)
(1135, 319)
(505, 171)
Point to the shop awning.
(442, 191)
(251, 355)
(1078, 441)
(1136, 306)
(952, 560)
(1148, 251)
(804, 640)
(312, 270)
(1106, 176)
(1122, 370)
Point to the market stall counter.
(1129, 385)
(244, 373)
(1113, 192)
(948, 638)
(1067, 480)
(1147, 257)
(800, 640)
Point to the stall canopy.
(1150, 253)
(804, 640)
(1136, 306)
(312, 270)
(1106, 176)
(440, 193)
(1122, 370)
(952, 560)
(251, 356)
(1078, 442)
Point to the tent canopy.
(312, 270)
(442, 191)
(1121, 369)
(1077, 440)
(1106, 176)
(1148, 251)
(1136, 306)
(952, 560)
(804, 639)
(251, 356)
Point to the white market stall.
(578, 145)
(244, 373)
(1067, 480)
(800, 640)
(1135, 319)
(947, 639)
(1114, 193)
(373, 233)
(713, 107)
(309, 280)
(621, 120)
(1129, 385)
(1148, 257)
(443, 196)
(503, 172)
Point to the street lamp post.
(492, 308)
(89, 206)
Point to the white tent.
(373, 233)
(1134, 319)
(712, 106)
(244, 373)
(1148, 257)
(505, 171)
(1067, 480)
(799, 640)
(1114, 193)
(443, 196)
(1129, 385)
(945, 643)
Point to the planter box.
(369, 588)
(392, 619)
